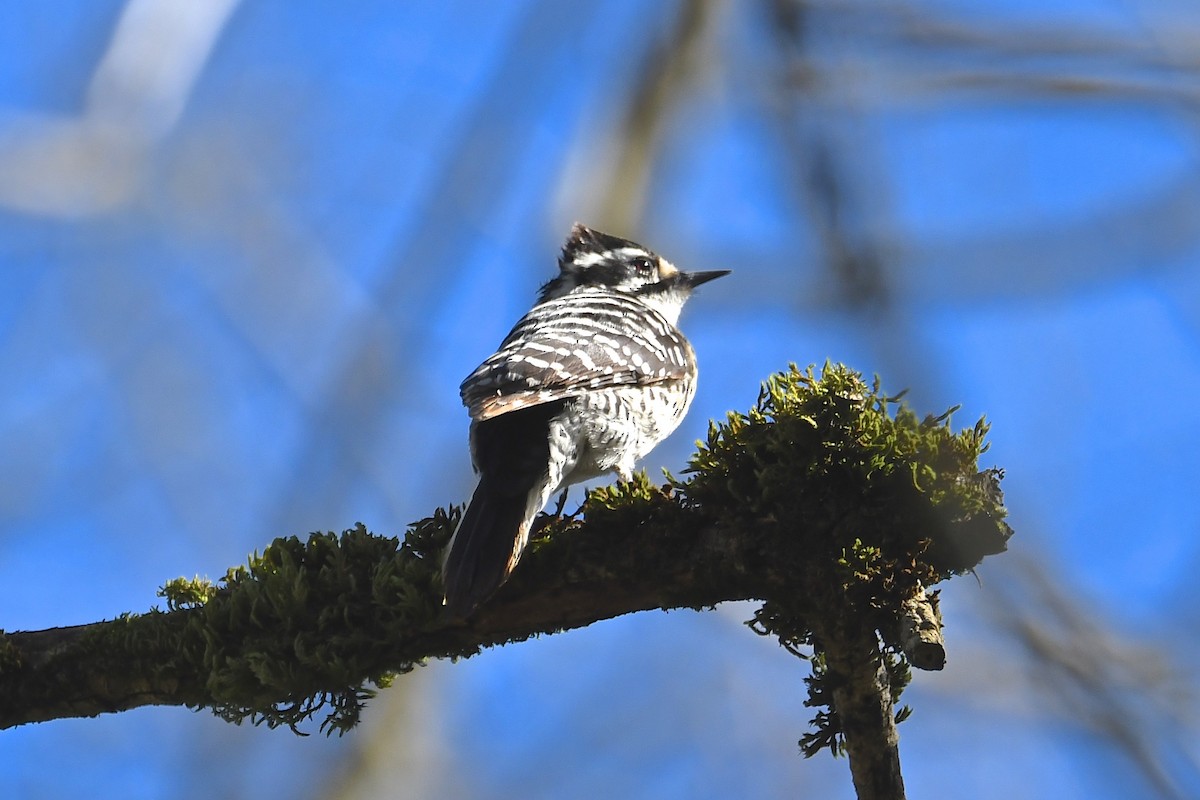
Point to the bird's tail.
(485, 548)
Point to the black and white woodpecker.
(587, 382)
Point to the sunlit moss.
(308, 621)
(863, 500)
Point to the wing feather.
(587, 340)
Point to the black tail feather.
(512, 453)
(481, 553)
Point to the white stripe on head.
(631, 252)
(588, 259)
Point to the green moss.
(187, 592)
(317, 612)
(836, 461)
(864, 501)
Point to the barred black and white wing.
(587, 340)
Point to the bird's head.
(594, 259)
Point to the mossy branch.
(829, 501)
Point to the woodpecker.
(587, 382)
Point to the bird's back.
(589, 340)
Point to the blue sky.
(247, 255)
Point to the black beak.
(694, 279)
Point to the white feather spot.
(587, 259)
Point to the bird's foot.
(562, 503)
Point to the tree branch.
(862, 694)
(828, 501)
(116, 665)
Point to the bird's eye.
(643, 265)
